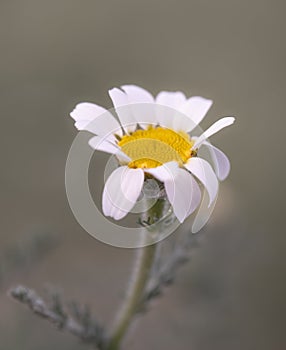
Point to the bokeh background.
(56, 53)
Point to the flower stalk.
(140, 276)
(144, 261)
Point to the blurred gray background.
(57, 53)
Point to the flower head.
(153, 140)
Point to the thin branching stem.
(88, 330)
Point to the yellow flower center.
(155, 146)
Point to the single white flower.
(155, 144)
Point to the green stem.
(143, 265)
(140, 276)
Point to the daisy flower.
(152, 139)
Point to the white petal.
(95, 119)
(165, 115)
(119, 99)
(86, 111)
(196, 196)
(99, 144)
(143, 102)
(203, 214)
(174, 119)
(182, 194)
(164, 172)
(196, 108)
(137, 94)
(221, 161)
(181, 188)
(121, 191)
(213, 129)
(81, 124)
(171, 117)
(167, 107)
(171, 99)
(181, 122)
(204, 172)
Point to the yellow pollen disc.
(155, 146)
